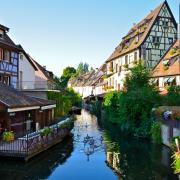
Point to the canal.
(95, 151)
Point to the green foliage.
(176, 163)
(8, 136)
(111, 105)
(67, 125)
(68, 72)
(173, 96)
(173, 144)
(82, 68)
(64, 101)
(156, 132)
(46, 131)
(96, 107)
(133, 106)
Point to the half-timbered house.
(148, 40)
(9, 58)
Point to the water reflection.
(94, 153)
(40, 167)
(137, 159)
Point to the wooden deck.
(29, 146)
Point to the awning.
(48, 107)
(10, 110)
(166, 79)
(171, 79)
(155, 80)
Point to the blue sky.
(60, 33)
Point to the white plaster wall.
(119, 77)
(28, 74)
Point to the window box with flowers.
(126, 47)
(173, 51)
(166, 64)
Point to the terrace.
(36, 142)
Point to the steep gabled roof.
(28, 57)
(172, 58)
(143, 28)
(6, 40)
(47, 74)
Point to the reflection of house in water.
(113, 160)
(41, 167)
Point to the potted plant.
(8, 136)
(46, 131)
(173, 51)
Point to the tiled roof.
(42, 71)
(129, 42)
(6, 40)
(172, 58)
(16, 99)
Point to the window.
(135, 56)
(6, 55)
(4, 79)
(14, 58)
(165, 24)
(21, 56)
(1, 54)
(116, 67)
(1, 34)
(126, 59)
(156, 39)
(170, 41)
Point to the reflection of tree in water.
(136, 158)
(40, 167)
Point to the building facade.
(167, 71)
(9, 59)
(147, 41)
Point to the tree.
(68, 72)
(82, 68)
(137, 101)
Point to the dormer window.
(1, 34)
(7, 55)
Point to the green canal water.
(94, 152)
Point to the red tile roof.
(172, 58)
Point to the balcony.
(36, 85)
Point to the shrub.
(46, 131)
(173, 96)
(156, 132)
(64, 101)
(67, 125)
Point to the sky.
(61, 33)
